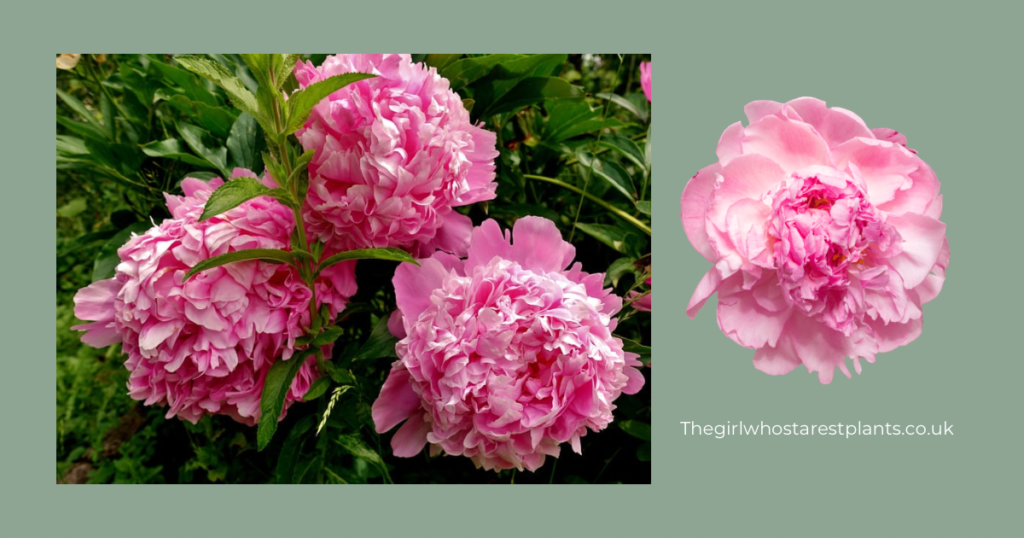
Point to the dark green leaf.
(286, 459)
(462, 72)
(439, 61)
(217, 120)
(194, 137)
(328, 336)
(301, 104)
(392, 254)
(80, 109)
(633, 347)
(568, 118)
(644, 207)
(643, 452)
(107, 259)
(184, 80)
(71, 146)
(81, 128)
(611, 172)
(617, 270)
(532, 90)
(244, 143)
(380, 344)
(123, 158)
(171, 149)
(625, 146)
(610, 235)
(275, 388)
(242, 98)
(354, 445)
(647, 148)
(636, 429)
(625, 103)
(263, 254)
(317, 389)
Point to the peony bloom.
(394, 155)
(206, 345)
(504, 355)
(824, 234)
(645, 78)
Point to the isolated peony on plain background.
(205, 346)
(394, 155)
(824, 235)
(506, 354)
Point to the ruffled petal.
(923, 238)
(692, 207)
(397, 400)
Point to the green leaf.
(568, 119)
(640, 349)
(612, 236)
(275, 388)
(217, 120)
(301, 104)
(624, 103)
(107, 259)
(284, 64)
(532, 90)
(242, 98)
(462, 72)
(439, 61)
(617, 270)
(171, 149)
(317, 389)
(263, 254)
(182, 80)
(643, 452)
(82, 128)
(231, 195)
(286, 459)
(354, 445)
(611, 172)
(72, 208)
(636, 429)
(71, 146)
(647, 148)
(380, 344)
(505, 76)
(644, 207)
(80, 109)
(392, 254)
(194, 136)
(123, 158)
(244, 143)
(328, 336)
(624, 146)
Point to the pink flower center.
(826, 235)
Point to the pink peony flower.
(205, 346)
(824, 234)
(645, 78)
(394, 155)
(504, 355)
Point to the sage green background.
(950, 79)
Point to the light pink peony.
(642, 304)
(824, 234)
(504, 355)
(205, 346)
(645, 78)
(394, 155)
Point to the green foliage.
(573, 134)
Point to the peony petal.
(746, 323)
(413, 285)
(932, 284)
(747, 176)
(707, 286)
(923, 238)
(885, 167)
(835, 125)
(396, 401)
(820, 348)
(893, 335)
(538, 245)
(487, 242)
(778, 360)
(96, 301)
(730, 145)
(693, 205)
(755, 110)
(410, 439)
(790, 144)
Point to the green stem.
(618, 212)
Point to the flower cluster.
(824, 236)
(394, 155)
(206, 345)
(506, 354)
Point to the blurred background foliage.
(131, 127)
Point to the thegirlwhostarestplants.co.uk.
(720, 431)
